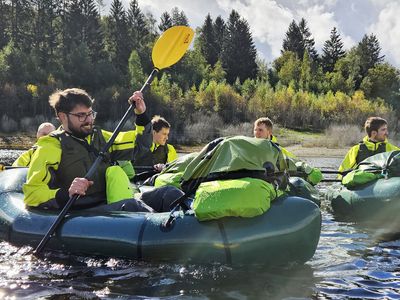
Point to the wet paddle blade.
(171, 46)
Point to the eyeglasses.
(82, 117)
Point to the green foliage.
(383, 81)
(288, 67)
(293, 41)
(218, 73)
(308, 41)
(165, 22)
(5, 12)
(79, 68)
(138, 28)
(179, 17)
(135, 71)
(332, 51)
(208, 43)
(369, 51)
(47, 45)
(238, 52)
(119, 44)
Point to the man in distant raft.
(25, 158)
(160, 152)
(263, 128)
(63, 158)
(375, 142)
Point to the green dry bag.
(245, 197)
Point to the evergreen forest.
(47, 45)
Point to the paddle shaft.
(334, 172)
(3, 168)
(91, 171)
(331, 180)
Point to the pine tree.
(118, 33)
(179, 17)
(332, 51)
(5, 10)
(165, 22)
(207, 42)
(82, 25)
(100, 5)
(93, 35)
(45, 33)
(308, 41)
(298, 39)
(219, 33)
(137, 25)
(22, 18)
(369, 51)
(294, 40)
(239, 53)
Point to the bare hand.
(159, 167)
(137, 100)
(79, 186)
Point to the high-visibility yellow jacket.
(284, 151)
(25, 158)
(353, 156)
(53, 163)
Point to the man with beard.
(373, 143)
(62, 159)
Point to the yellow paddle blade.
(171, 46)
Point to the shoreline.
(24, 142)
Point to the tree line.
(54, 44)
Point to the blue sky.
(269, 20)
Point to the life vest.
(160, 154)
(150, 158)
(76, 159)
(364, 152)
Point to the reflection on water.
(350, 262)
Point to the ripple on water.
(350, 262)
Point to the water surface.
(351, 262)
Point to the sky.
(269, 20)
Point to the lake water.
(351, 262)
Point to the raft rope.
(140, 239)
(225, 241)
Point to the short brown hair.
(159, 123)
(373, 124)
(264, 120)
(66, 100)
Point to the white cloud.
(321, 21)
(196, 11)
(269, 19)
(387, 30)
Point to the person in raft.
(373, 143)
(62, 159)
(25, 158)
(160, 152)
(263, 128)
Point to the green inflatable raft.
(288, 232)
(372, 194)
(377, 202)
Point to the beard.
(81, 131)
